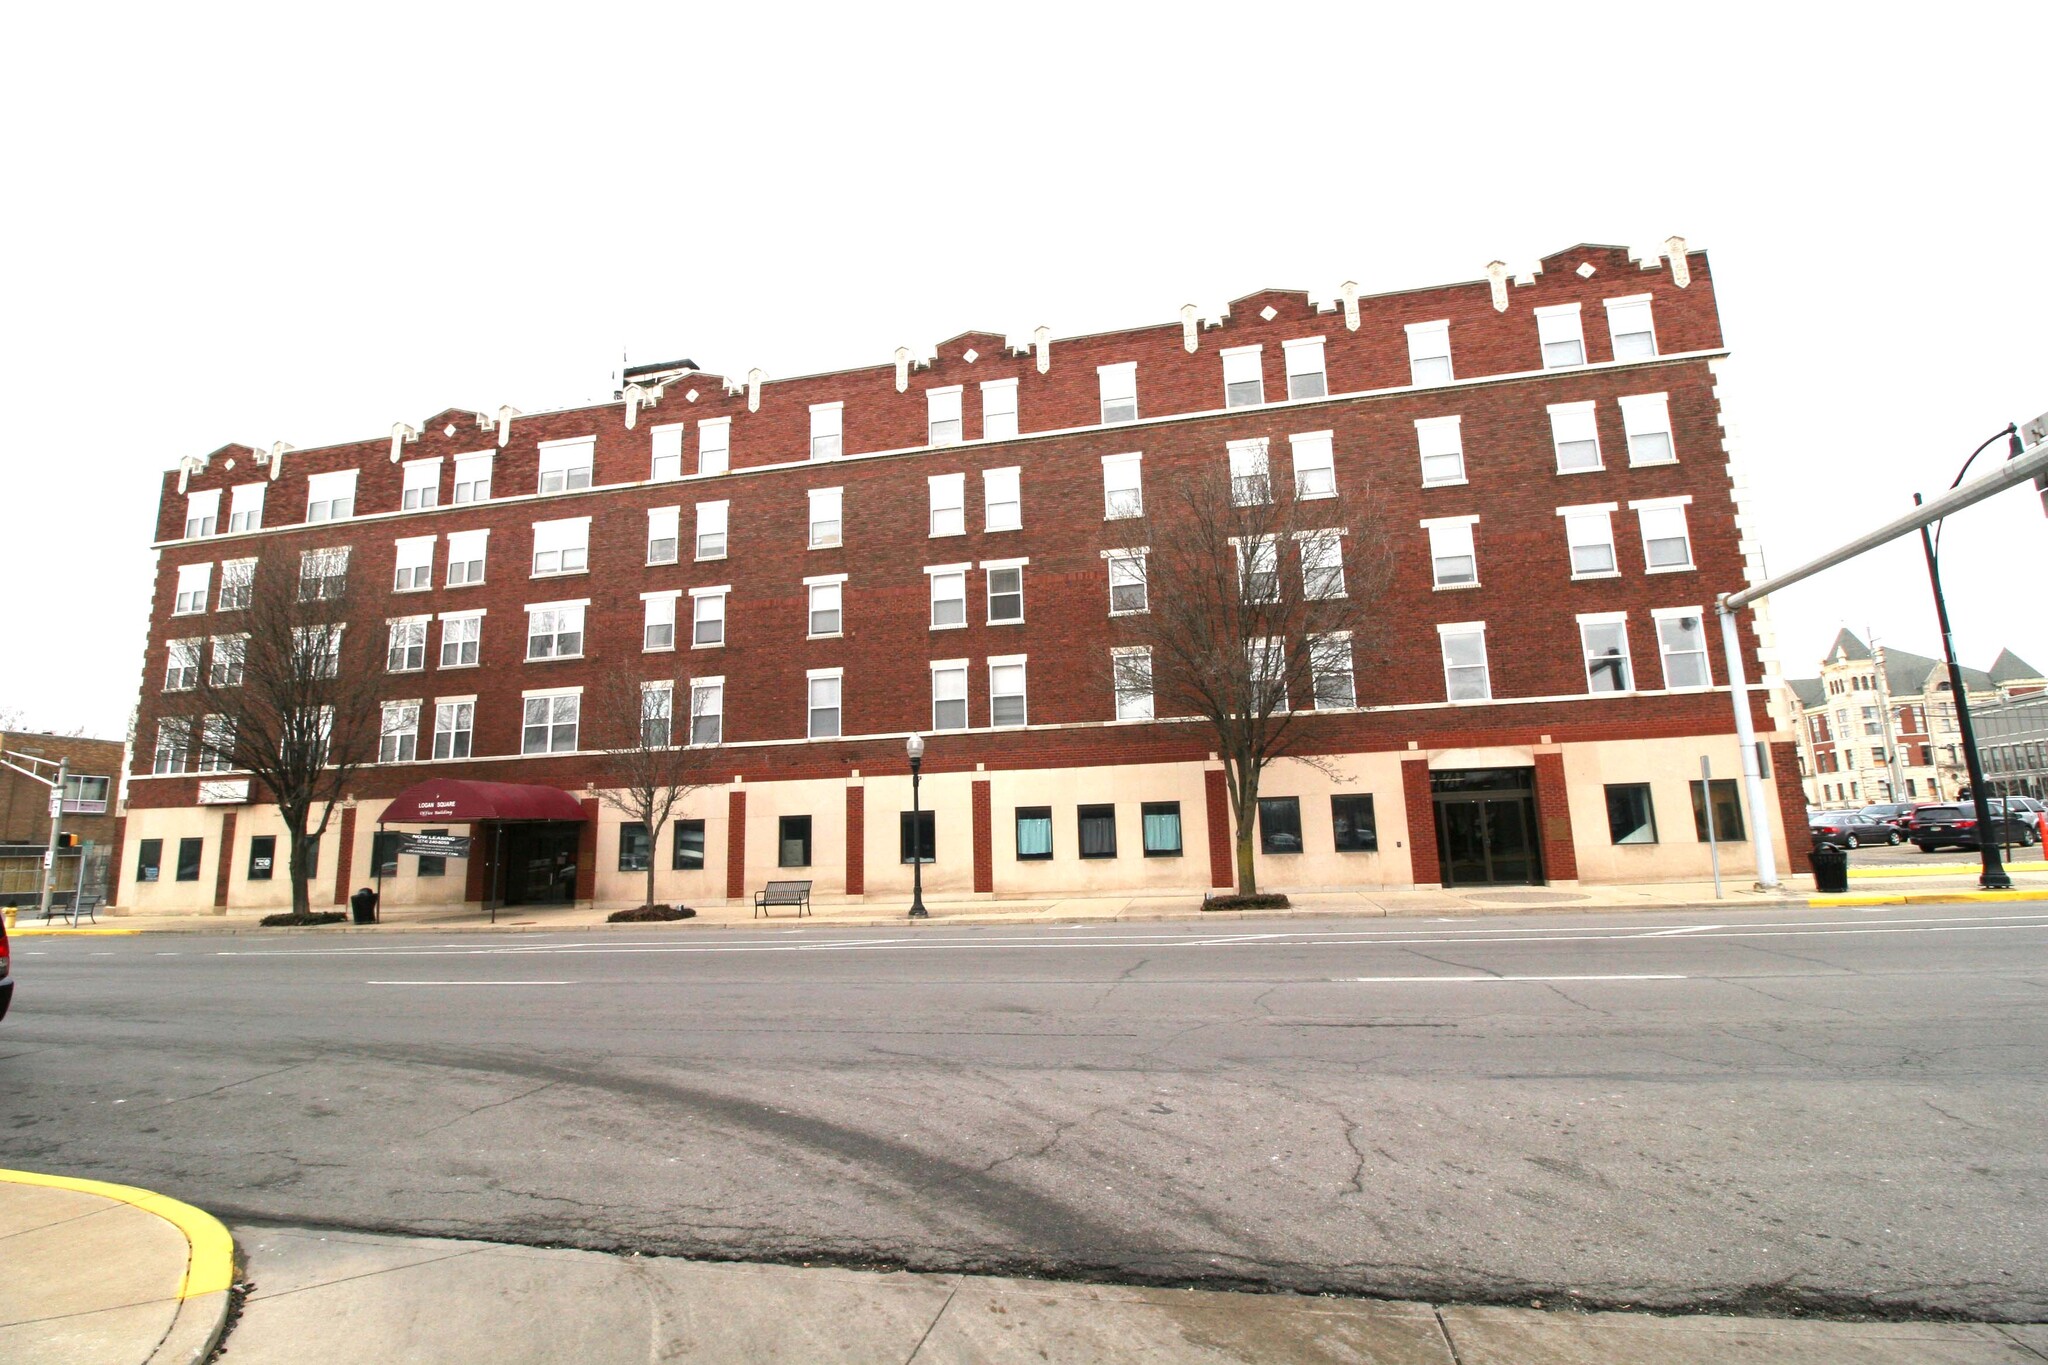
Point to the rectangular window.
(453, 722)
(237, 583)
(1331, 672)
(1464, 651)
(1646, 417)
(193, 582)
(949, 694)
(413, 560)
(316, 651)
(1576, 436)
(1589, 535)
(86, 795)
(551, 724)
(1119, 389)
(554, 632)
(664, 534)
(917, 837)
(202, 513)
(1005, 593)
(1322, 564)
(1130, 671)
(427, 864)
(1629, 324)
(714, 445)
(793, 841)
(1258, 569)
(1034, 833)
(561, 546)
(1557, 332)
(824, 703)
(217, 744)
(1603, 638)
(1096, 831)
(422, 486)
(323, 574)
(1305, 377)
(1666, 545)
(665, 452)
(407, 650)
(1002, 500)
(949, 596)
(245, 507)
(1251, 480)
(262, 857)
(1728, 828)
(1682, 640)
(825, 523)
(707, 711)
(1006, 690)
(149, 860)
(1266, 666)
(466, 556)
(1453, 561)
(826, 420)
(1429, 352)
(182, 672)
(473, 478)
(688, 854)
(942, 416)
(565, 465)
(658, 620)
(188, 859)
(1630, 818)
(949, 504)
(707, 616)
(998, 409)
(1279, 824)
(634, 849)
(1315, 465)
(399, 739)
(1244, 382)
(1127, 587)
(1123, 487)
(711, 522)
(460, 638)
(826, 596)
(1353, 824)
(1442, 444)
(1161, 822)
(331, 497)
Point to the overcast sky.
(261, 224)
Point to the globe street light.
(915, 747)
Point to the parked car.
(1897, 814)
(6, 976)
(1954, 825)
(1850, 829)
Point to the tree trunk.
(1247, 875)
(652, 843)
(301, 901)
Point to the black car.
(1897, 814)
(6, 978)
(1849, 829)
(1954, 825)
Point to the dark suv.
(1954, 825)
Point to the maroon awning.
(447, 800)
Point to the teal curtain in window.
(1162, 831)
(1034, 835)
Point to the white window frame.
(1123, 498)
(421, 487)
(1314, 457)
(230, 660)
(1135, 556)
(707, 703)
(1576, 425)
(1586, 527)
(1117, 387)
(1623, 313)
(458, 554)
(999, 409)
(1244, 368)
(552, 720)
(473, 477)
(1322, 551)
(1002, 499)
(658, 703)
(1305, 360)
(1602, 621)
(943, 423)
(1126, 701)
(566, 465)
(182, 662)
(173, 752)
(400, 722)
(1660, 615)
(707, 608)
(934, 573)
(1264, 558)
(827, 508)
(665, 452)
(658, 620)
(1429, 344)
(455, 717)
(331, 496)
(714, 446)
(567, 541)
(954, 671)
(1447, 631)
(1265, 662)
(412, 563)
(216, 750)
(1004, 662)
(563, 619)
(828, 430)
(463, 631)
(1440, 439)
(329, 557)
(1450, 539)
(1251, 471)
(664, 534)
(245, 507)
(1648, 416)
(405, 648)
(202, 513)
(823, 593)
(1557, 326)
(195, 586)
(714, 525)
(948, 505)
(1329, 654)
(989, 569)
(1647, 508)
(237, 584)
(812, 710)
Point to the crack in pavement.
(481, 1108)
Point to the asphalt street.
(1823, 1110)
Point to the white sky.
(243, 225)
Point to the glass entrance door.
(1486, 827)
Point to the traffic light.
(66, 840)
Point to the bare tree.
(289, 693)
(650, 768)
(1243, 600)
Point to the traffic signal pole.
(50, 853)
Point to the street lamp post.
(915, 747)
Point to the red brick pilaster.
(586, 852)
(1425, 863)
(114, 860)
(856, 841)
(1554, 819)
(1216, 801)
(344, 862)
(984, 841)
(735, 845)
(1791, 803)
(226, 860)
(480, 875)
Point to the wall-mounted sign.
(231, 792)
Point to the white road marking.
(1695, 929)
(469, 983)
(1398, 980)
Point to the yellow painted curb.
(1822, 902)
(1939, 870)
(212, 1265)
(67, 929)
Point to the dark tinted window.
(431, 866)
(917, 836)
(689, 846)
(794, 847)
(384, 853)
(1098, 831)
(1630, 820)
(262, 857)
(1280, 824)
(188, 859)
(1727, 812)
(1351, 821)
(635, 850)
(149, 860)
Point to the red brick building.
(1560, 431)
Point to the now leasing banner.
(435, 845)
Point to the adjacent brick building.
(833, 561)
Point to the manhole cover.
(1525, 897)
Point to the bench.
(783, 893)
